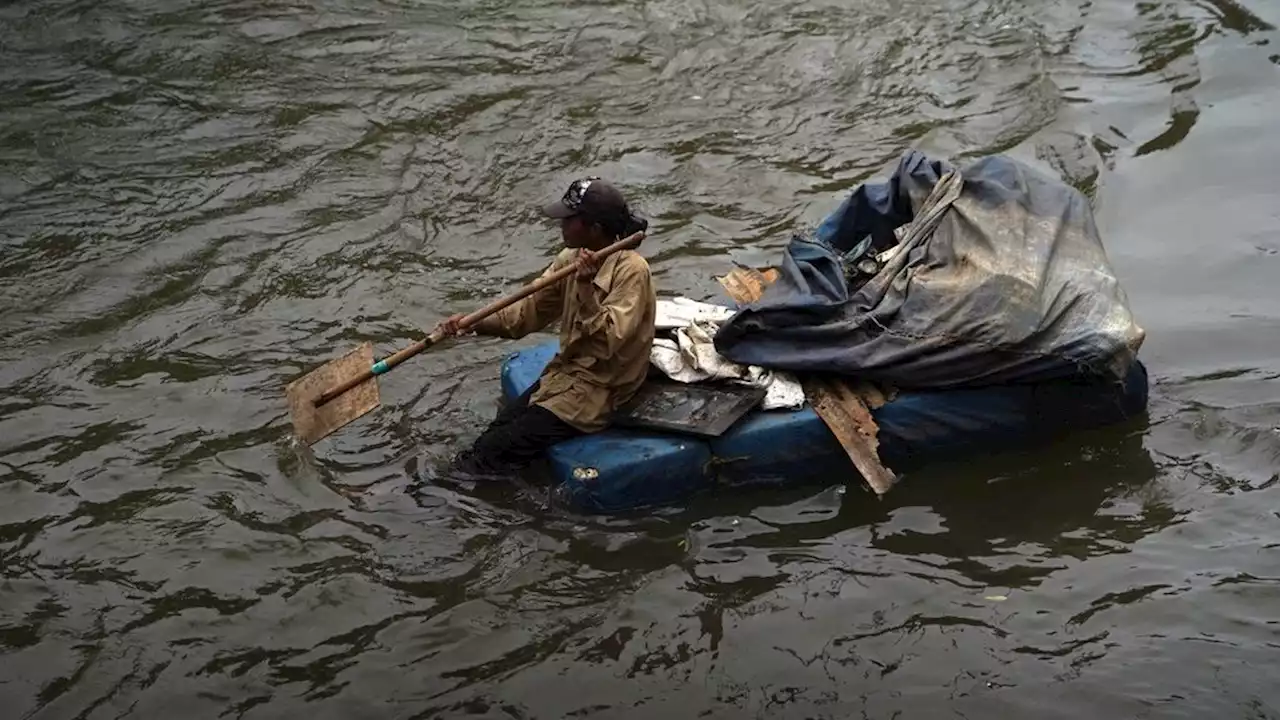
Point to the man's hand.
(449, 326)
(587, 264)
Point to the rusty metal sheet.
(700, 409)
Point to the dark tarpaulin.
(1005, 281)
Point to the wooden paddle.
(343, 390)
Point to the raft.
(619, 470)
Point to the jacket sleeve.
(531, 314)
(607, 323)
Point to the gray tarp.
(1004, 281)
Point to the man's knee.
(522, 437)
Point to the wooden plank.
(312, 423)
(873, 396)
(848, 418)
(746, 285)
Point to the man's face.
(576, 231)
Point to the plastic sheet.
(1002, 280)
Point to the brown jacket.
(606, 333)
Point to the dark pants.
(520, 433)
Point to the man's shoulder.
(632, 261)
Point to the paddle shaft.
(384, 366)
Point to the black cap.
(590, 197)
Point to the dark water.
(201, 200)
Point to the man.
(606, 312)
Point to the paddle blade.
(312, 423)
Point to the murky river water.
(201, 200)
